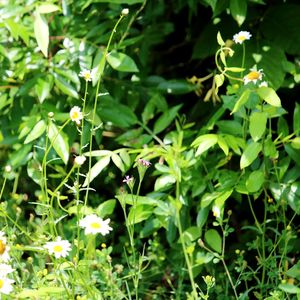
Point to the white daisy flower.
(4, 248)
(76, 115)
(242, 36)
(5, 269)
(60, 248)
(87, 74)
(5, 285)
(94, 224)
(79, 160)
(253, 76)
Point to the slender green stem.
(186, 256)
(3, 186)
(102, 66)
(243, 59)
(254, 216)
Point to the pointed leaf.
(65, 87)
(242, 100)
(41, 32)
(36, 132)
(258, 123)
(59, 142)
(219, 39)
(250, 154)
(204, 142)
(238, 9)
(255, 181)
(269, 95)
(121, 62)
(96, 169)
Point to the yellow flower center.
(2, 247)
(57, 248)
(75, 115)
(253, 75)
(95, 225)
(241, 38)
(1, 283)
(87, 76)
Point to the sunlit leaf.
(121, 62)
(41, 32)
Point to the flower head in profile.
(4, 248)
(87, 74)
(5, 285)
(125, 11)
(128, 179)
(242, 36)
(79, 160)
(216, 211)
(253, 76)
(76, 114)
(59, 248)
(94, 224)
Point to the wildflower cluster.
(6, 286)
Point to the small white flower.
(253, 76)
(93, 225)
(264, 83)
(216, 211)
(87, 74)
(5, 269)
(125, 11)
(240, 37)
(60, 248)
(8, 168)
(76, 115)
(4, 248)
(5, 285)
(79, 160)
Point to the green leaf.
(295, 142)
(242, 100)
(118, 162)
(139, 213)
(42, 88)
(106, 208)
(47, 8)
(36, 132)
(65, 87)
(41, 32)
(294, 271)
(257, 126)
(296, 119)
(238, 9)
(213, 239)
(255, 181)
(250, 154)
(204, 142)
(164, 181)
(223, 145)
(128, 2)
(121, 62)
(289, 288)
(96, 169)
(219, 39)
(269, 95)
(191, 234)
(165, 119)
(294, 154)
(59, 141)
(34, 171)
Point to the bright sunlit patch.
(4, 248)
(76, 115)
(93, 224)
(58, 248)
(242, 36)
(253, 76)
(79, 160)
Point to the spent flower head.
(93, 224)
(144, 162)
(76, 114)
(242, 36)
(253, 76)
(59, 248)
(5, 285)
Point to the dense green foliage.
(216, 213)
